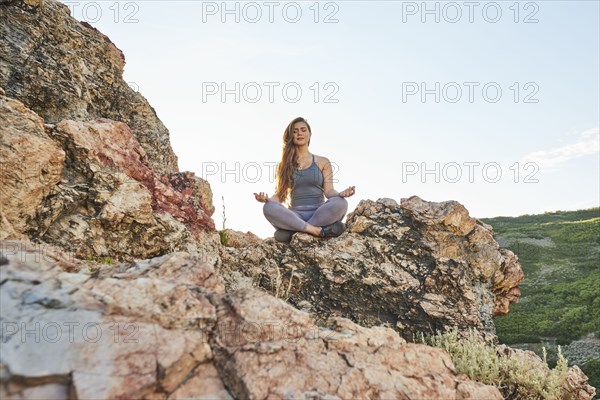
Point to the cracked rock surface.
(165, 328)
(89, 188)
(62, 68)
(417, 266)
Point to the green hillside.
(560, 301)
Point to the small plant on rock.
(516, 377)
(223, 234)
(93, 261)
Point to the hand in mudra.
(347, 192)
(261, 197)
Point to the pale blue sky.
(370, 55)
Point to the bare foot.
(313, 230)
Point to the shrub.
(517, 377)
(592, 369)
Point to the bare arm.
(328, 189)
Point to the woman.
(305, 178)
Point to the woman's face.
(300, 133)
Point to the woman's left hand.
(347, 192)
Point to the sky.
(492, 104)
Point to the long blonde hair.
(289, 161)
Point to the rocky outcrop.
(416, 266)
(85, 162)
(89, 188)
(165, 328)
(65, 69)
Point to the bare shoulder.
(321, 161)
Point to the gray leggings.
(297, 218)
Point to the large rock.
(267, 349)
(118, 332)
(416, 267)
(31, 165)
(89, 188)
(65, 69)
(164, 328)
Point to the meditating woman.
(306, 178)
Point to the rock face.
(85, 162)
(165, 328)
(31, 164)
(89, 188)
(417, 267)
(65, 69)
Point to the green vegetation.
(93, 261)
(223, 234)
(560, 296)
(592, 370)
(515, 377)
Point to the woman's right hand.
(261, 197)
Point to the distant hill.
(560, 301)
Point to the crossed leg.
(331, 211)
(281, 217)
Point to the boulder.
(164, 328)
(417, 266)
(89, 188)
(62, 68)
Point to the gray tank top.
(308, 186)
